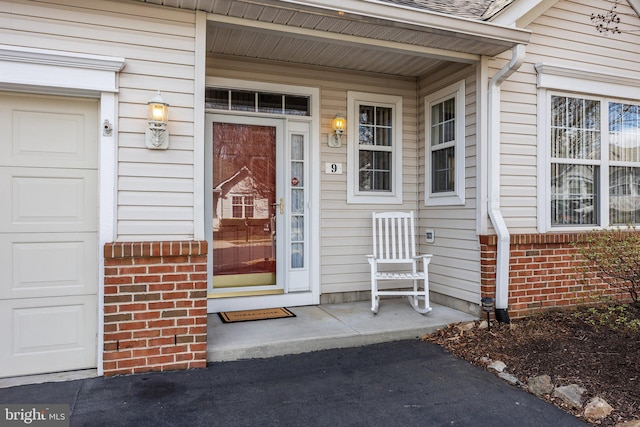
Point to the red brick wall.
(543, 273)
(155, 306)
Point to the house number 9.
(333, 168)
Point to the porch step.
(323, 327)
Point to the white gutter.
(493, 100)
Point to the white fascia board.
(635, 5)
(420, 18)
(521, 13)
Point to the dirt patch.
(595, 348)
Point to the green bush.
(614, 255)
(616, 317)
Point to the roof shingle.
(471, 9)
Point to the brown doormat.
(250, 315)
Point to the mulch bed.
(572, 347)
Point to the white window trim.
(567, 81)
(354, 195)
(455, 197)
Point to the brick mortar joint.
(156, 249)
(489, 242)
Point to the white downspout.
(502, 260)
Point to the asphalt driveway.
(402, 383)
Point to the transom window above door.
(257, 102)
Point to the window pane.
(436, 135)
(375, 171)
(217, 98)
(558, 111)
(574, 198)
(624, 195)
(366, 115)
(443, 173)
(296, 105)
(243, 101)
(575, 129)
(297, 255)
(365, 135)
(449, 131)
(382, 180)
(297, 147)
(270, 103)
(624, 132)
(443, 122)
(384, 116)
(297, 201)
(383, 137)
(297, 174)
(449, 109)
(297, 228)
(436, 114)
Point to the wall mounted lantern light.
(338, 125)
(157, 136)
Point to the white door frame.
(295, 298)
(52, 72)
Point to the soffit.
(354, 35)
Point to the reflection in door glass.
(243, 205)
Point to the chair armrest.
(426, 258)
(371, 259)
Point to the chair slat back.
(393, 236)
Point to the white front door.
(48, 234)
(257, 212)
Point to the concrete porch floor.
(324, 327)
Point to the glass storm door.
(257, 211)
(247, 206)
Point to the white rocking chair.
(394, 243)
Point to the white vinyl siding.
(564, 35)
(455, 267)
(345, 229)
(155, 189)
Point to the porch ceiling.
(354, 34)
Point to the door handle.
(281, 205)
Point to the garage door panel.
(48, 200)
(44, 265)
(42, 131)
(48, 233)
(45, 335)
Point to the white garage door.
(48, 233)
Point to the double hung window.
(374, 157)
(594, 148)
(444, 139)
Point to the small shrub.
(617, 317)
(614, 256)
